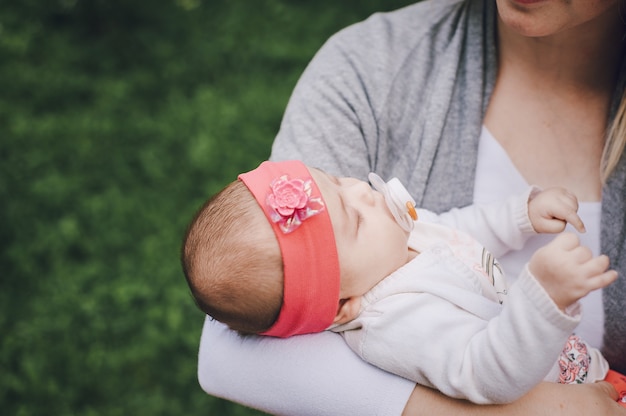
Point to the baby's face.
(370, 243)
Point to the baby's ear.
(348, 310)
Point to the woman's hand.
(546, 399)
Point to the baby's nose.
(362, 191)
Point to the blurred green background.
(117, 119)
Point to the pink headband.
(294, 206)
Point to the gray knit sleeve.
(357, 102)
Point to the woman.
(463, 101)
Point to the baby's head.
(232, 261)
(289, 250)
(260, 256)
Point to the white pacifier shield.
(396, 197)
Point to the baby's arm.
(500, 226)
(418, 329)
(505, 225)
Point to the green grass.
(117, 119)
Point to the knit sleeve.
(500, 226)
(425, 329)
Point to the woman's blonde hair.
(615, 141)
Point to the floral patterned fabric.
(574, 361)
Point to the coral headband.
(294, 207)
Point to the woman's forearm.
(303, 375)
(547, 399)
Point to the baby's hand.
(550, 211)
(569, 271)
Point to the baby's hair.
(232, 261)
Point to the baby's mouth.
(398, 199)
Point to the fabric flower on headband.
(290, 202)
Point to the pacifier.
(398, 199)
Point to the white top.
(439, 320)
(496, 179)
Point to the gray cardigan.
(404, 94)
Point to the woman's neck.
(551, 99)
(582, 59)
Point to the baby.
(288, 250)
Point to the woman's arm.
(303, 375)
(547, 399)
(251, 376)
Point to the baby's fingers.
(576, 222)
(558, 205)
(599, 276)
(594, 265)
(601, 280)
